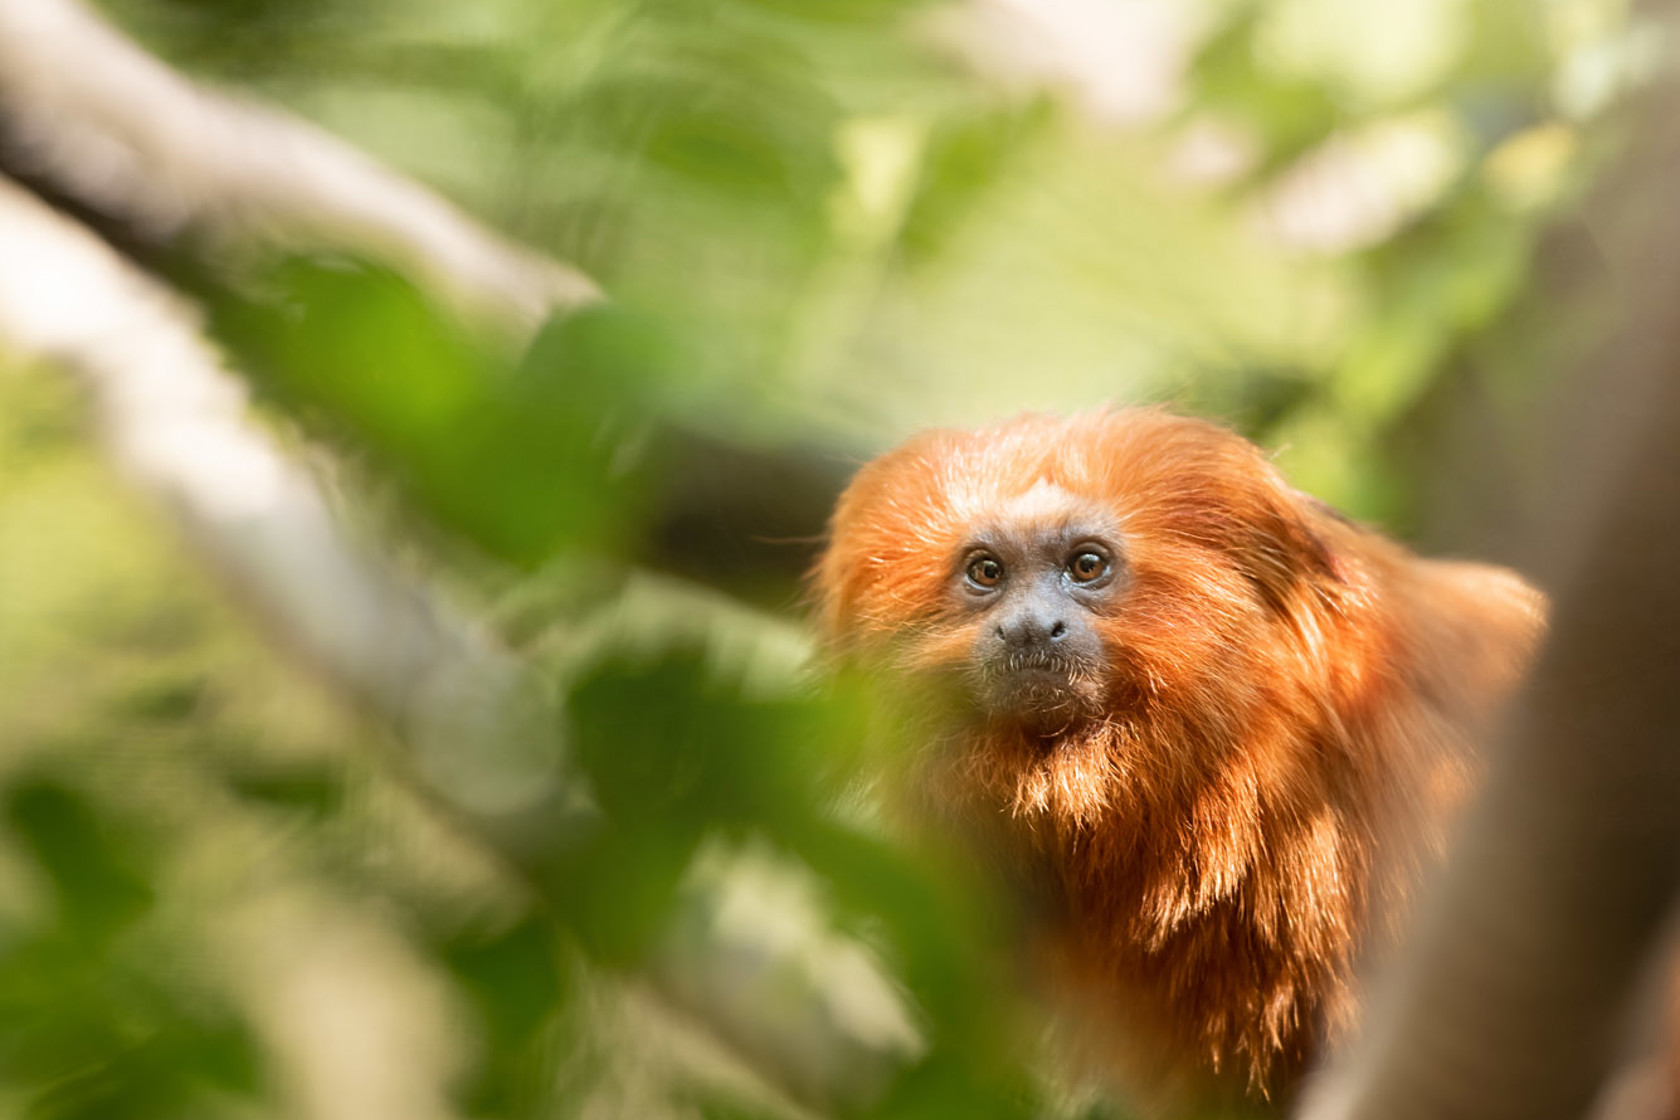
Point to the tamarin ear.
(1286, 547)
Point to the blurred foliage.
(822, 225)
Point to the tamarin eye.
(985, 571)
(1086, 567)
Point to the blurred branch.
(91, 122)
(177, 422)
(159, 166)
(94, 122)
(1517, 996)
(481, 732)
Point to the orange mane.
(1290, 700)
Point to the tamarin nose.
(1029, 630)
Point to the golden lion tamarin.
(1220, 727)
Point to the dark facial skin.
(1036, 593)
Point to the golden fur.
(1285, 714)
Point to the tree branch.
(1518, 993)
(104, 126)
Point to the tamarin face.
(1027, 588)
